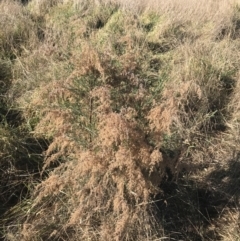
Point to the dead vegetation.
(119, 121)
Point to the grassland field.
(119, 120)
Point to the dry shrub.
(109, 172)
(118, 115)
(107, 191)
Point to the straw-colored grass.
(120, 120)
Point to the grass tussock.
(120, 121)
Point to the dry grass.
(139, 105)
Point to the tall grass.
(133, 109)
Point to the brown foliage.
(128, 106)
